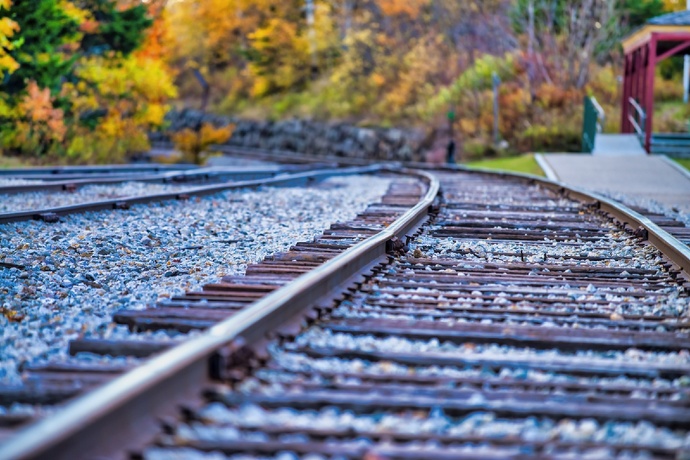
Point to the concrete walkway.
(617, 145)
(647, 177)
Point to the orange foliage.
(410, 8)
(38, 108)
(154, 46)
(552, 96)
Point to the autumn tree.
(8, 30)
(80, 93)
(44, 28)
(120, 30)
(560, 37)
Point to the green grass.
(684, 162)
(12, 162)
(522, 163)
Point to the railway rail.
(197, 175)
(467, 315)
(56, 171)
(220, 179)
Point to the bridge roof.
(679, 18)
(669, 29)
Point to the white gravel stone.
(9, 181)
(317, 337)
(81, 269)
(224, 423)
(652, 205)
(297, 363)
(161, 453)
(16, 202)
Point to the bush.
(555, 138)
(479, 149)
(671, 118)
(667, 90)
(192, 143)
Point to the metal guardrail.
(638, 118)
(601, 115)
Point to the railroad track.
(180, 185)
(18, 184)
(50, 173)
(673, 225)
(504, 317)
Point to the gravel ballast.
(72, 275)
(42, 200)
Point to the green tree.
(44, 29)
(636, 12)
(78, 90)
(119, 30)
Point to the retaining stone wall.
(310, 138)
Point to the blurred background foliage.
(85, 80)
(82, 81)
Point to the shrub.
(667, 90)
(192, 143)
(554, 138)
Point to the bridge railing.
(638, 118)
(593, 122)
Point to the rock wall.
(310, 138)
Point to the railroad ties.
(674, 226)
(518, 325)
(56, 382)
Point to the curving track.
(502, 318)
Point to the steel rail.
(46, 178)
(52, 214)
(84, 428)
(127, 168)
(165, 177)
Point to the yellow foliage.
(410, 78)
(205, 32)
(134, 90)
(192, 143)
(74, 12)
(284, 56)
(153, 114)
(8, 28)
(6, 110)
(378, 79)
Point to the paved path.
(638, 177)
(617, 144)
